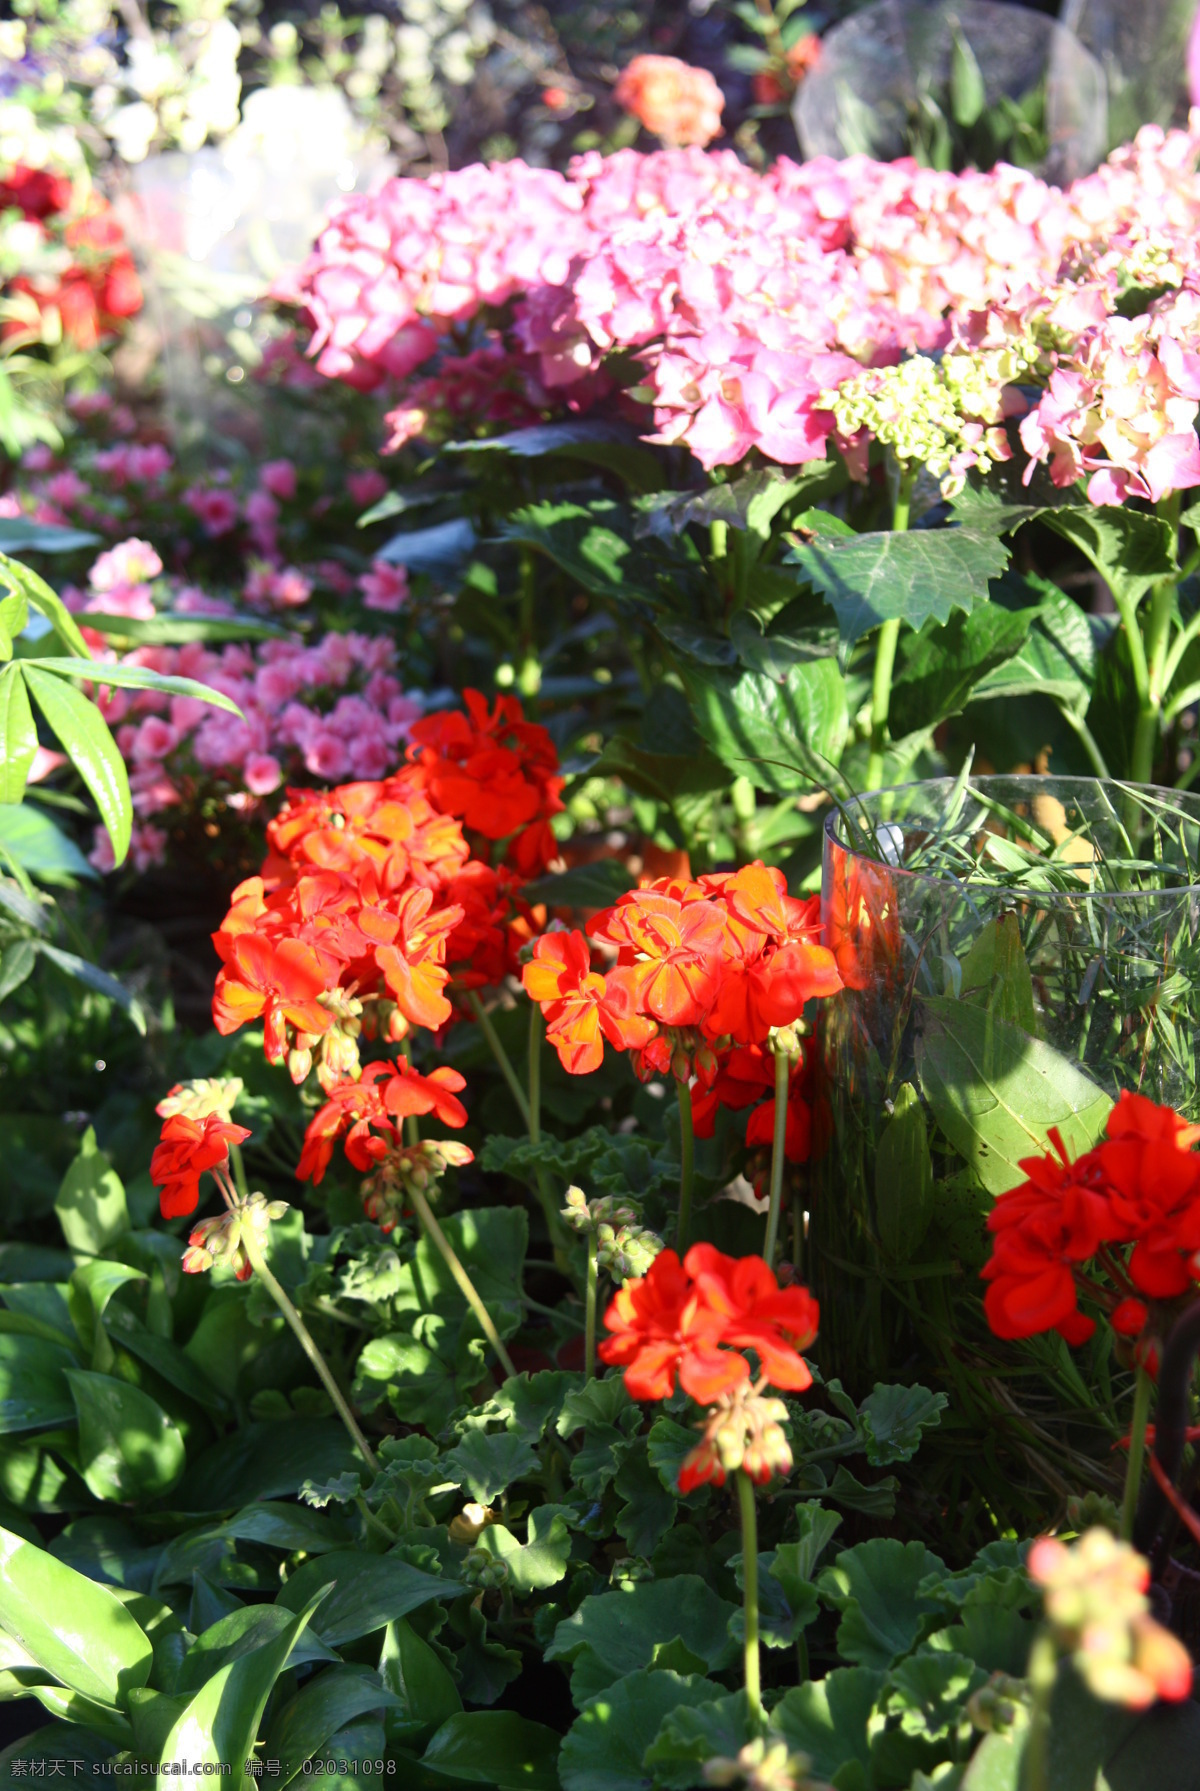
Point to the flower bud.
(299, 1063)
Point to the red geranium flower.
(279, 981)
(187, 1148)
(693, 1319)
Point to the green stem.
(749, 1516)
(1156, 642)
(1042, 1666)
(885, 648)
(304, 1338)
(239, 1171)
(463, 1281)
(687, 1165)
(489, 1032)
(1137, 1452)
(528, 1105)
(589, 1331)
(783, 1070)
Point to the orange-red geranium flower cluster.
(700, 974)
(370, 900)
(1129, 1208)
(694, 1318)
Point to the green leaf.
(128, 1447)
(411, 1669)
(875, 1588)
(91, 1205)
(665, 776)
(613, 1633)
(649, 1508)
(538, 1563)
(93, 977)
(102, 1653)
(605, 1748)
(817, 1527)
(692, 1734)
(221, 1723)
(597, 443)
(46, 601)
(160, 1353)
(828, 1719)
(418, 1382)
(167, 630)
(92, 1286)
(495, 1748)
(1058, 657)
(968, 95)
(442, 550)
(19, 534)
(594, 544)
(783, 734)
(995, 1091)
(751, 502)
(1130, 550)
(135, 677)
(266, 1461)
(786, 1604)
(996, 1764)
(996, 967)
(326, 1704)
(18, 734)
(584, 886)
(945, 661)
(34, 1393)
(14, 619)
(39, 847)
(241, 1632)
(87, 740)
(490, 1242)
(903, 1178)
(928, 573)
(488, 1465)
(877, 1500)
(923, 1702)
(369, 1591)
(893, 1419)
(16, 964)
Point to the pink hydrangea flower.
(384, 587)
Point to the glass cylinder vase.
(1015, 951)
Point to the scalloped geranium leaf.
(605, 1748)
(613, 1633)
(893, 1419)
(876, 1587)
(827, 1719)
(692, 1734)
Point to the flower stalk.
(1137, 1452)
(885, 648)
(304, 1338)
(687, 1164)
(749, 1516)
(783, 1071)
(462, 1280)
(528, 1103)
(589, 1332)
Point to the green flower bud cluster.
(201, 1096)
(623, 1247)
(483, 1571)
(413, 1166)
(631, 1571)
(941, 412)
(221, 1239)
(762, 1765)
(993, 1708)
